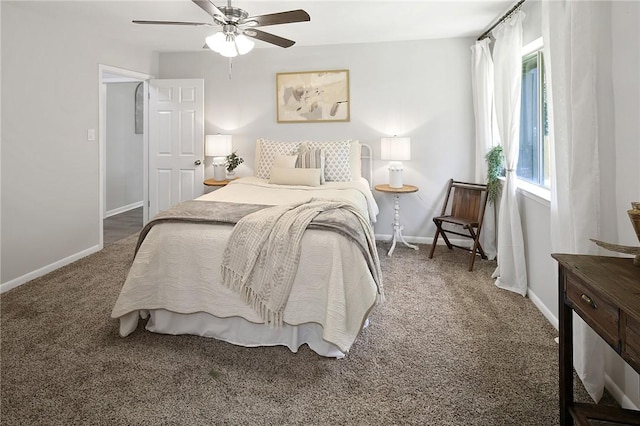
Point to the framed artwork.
(312, 96)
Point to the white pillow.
(302, 177)
(266, 152)
(337, 165)
(285, 161)
(355, 160)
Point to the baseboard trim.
(618, 394)
(542, 308)
(422, 240)
(123, 209)
(46, 269)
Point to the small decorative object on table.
(634, 216)
(233, 161)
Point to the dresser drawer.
(601, 315)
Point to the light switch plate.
(91, 135)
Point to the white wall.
(124, 150)
(420, 89)
(626, 91)
(624, 145)
(50, 172)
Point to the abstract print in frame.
(312, 96)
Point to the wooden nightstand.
(212, 182)
(397, 228)
(603, 291)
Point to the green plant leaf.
(233, 161)
(495, 165)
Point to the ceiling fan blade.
(277, 18)
(194, 24)
(269, 38)
(212, 10)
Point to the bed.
(175, 281)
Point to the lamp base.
(219, 172)
(395, 174)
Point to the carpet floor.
(446, 348)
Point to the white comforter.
(252, 190)
(177, 270)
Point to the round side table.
(397, 228)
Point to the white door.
(176, 142)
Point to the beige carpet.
(447, 348)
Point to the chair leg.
(476, 247)
(446, 240)
(435, 240)
(476, 240)
(473, 258)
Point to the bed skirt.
(234, 330)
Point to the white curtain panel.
(569, 50)
(486, 131)
(511, 272)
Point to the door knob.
(197, 162)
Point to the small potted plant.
(232, 162)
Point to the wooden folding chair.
(463, 207)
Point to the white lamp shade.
(229, 44)
(395, 149)
(244, 44)
(228, 49)
(217, 145)
(215, 41)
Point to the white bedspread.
(177, 269)
(252, 190)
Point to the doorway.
(123, 150)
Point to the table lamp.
(396, 150)
(218, 147)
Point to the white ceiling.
(332, 21)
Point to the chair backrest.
(468, 200)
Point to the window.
(533, 160)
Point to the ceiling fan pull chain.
(230, 67)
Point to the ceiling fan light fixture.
(243, 44)
(216, 42)
(228, 49)
(229, 44)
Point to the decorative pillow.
(311, 159)
(267, 154)
(303, 177)
(355, 160)
(337, 166)
(285, 161)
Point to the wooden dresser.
(605, 292)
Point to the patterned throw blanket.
(200, 212)
(261, 258)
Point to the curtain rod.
(502, 19)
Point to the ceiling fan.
(237, 27)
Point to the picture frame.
(313, 96)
